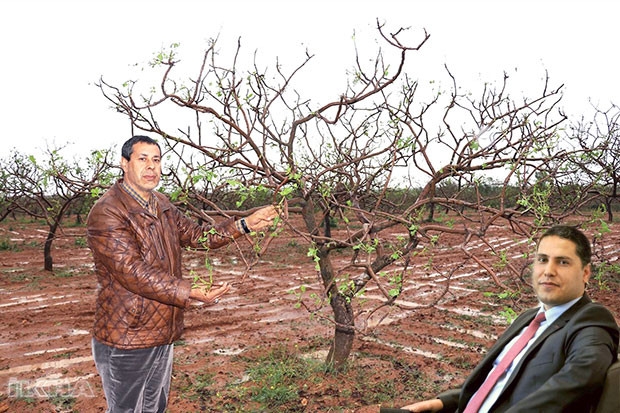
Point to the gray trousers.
(134, 381)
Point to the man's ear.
(123, 164)
(587, 271)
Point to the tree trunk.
(610, 212)
(431, 212)
(48, 263)
(344, 332)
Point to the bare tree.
(46, 188)
(599, 162)
(7, 207)
(347, 161)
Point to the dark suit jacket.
(563, 371)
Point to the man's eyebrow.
(559, 257)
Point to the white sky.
(53, 51)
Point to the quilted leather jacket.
(141, 292)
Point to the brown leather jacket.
(141, 292)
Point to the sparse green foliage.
(48, 187)
(376, 158)
(275, 378)
(508, 313)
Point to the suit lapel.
(558, 324)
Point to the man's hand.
(433, 405)
(261, 219)
(210, 296)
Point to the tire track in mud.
(259, 307)
(44, 340)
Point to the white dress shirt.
(551, 315)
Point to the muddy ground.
(45, 320)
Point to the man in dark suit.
(562, 367)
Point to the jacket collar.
(132, 203)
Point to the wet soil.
(426, 343)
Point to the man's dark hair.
(582, 243)
(127, 149)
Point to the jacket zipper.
(159, 246)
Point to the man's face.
(558, 275)
(143, 170)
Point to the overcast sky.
(53, 51)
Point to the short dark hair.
(127, 149)
(582, 243)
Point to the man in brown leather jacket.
(136, 236)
